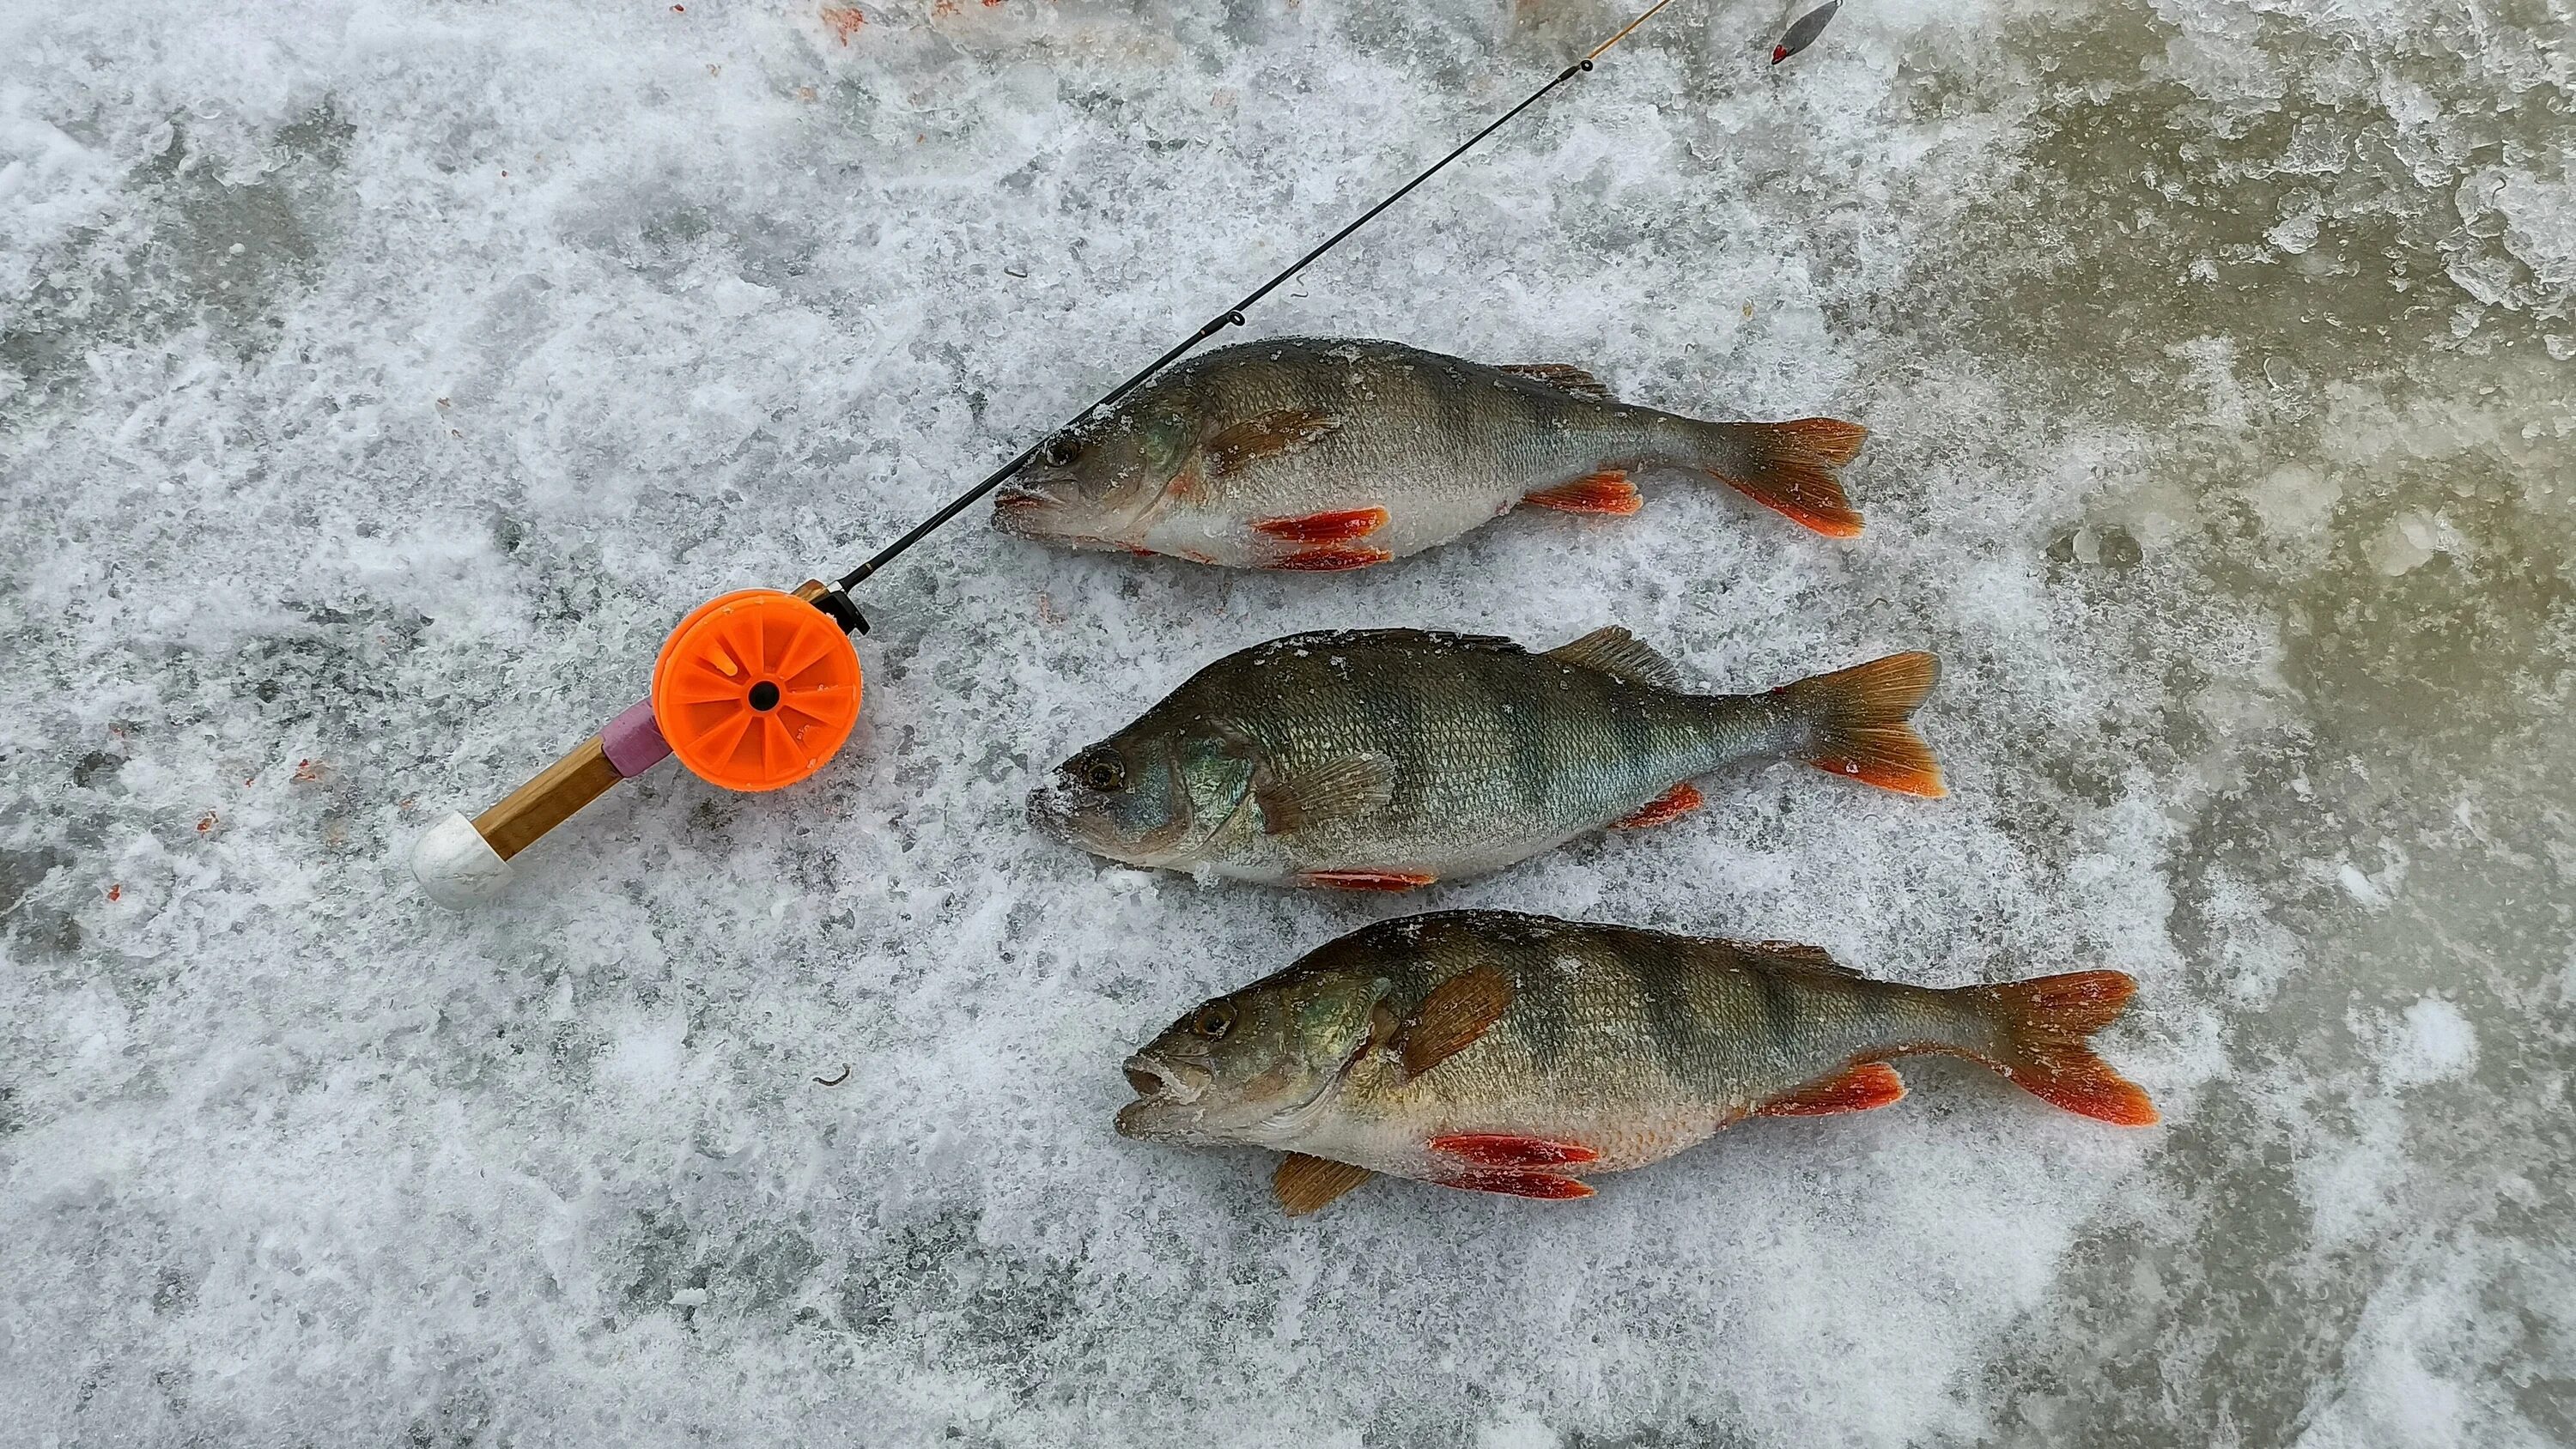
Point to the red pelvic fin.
(1607, 491)
(1332, 559)
(1485, 1149)
(1366, 880)
(1670, 806)
(1342, 527)
(1517, 1184)
(1871, 1084)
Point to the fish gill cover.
(378, 381)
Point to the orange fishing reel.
(755, 690)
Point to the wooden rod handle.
(548, 800)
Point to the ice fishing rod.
(758, 689)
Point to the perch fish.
(1515, 1054)
(1306, 453)
(1387, 759)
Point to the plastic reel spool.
(756, 690)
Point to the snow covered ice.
(380, 381)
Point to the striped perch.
(1386, 759)
(1505, 1053)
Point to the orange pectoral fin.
(1871, 1084)
(1671, 805)
(1607, 491)
(1485, 1149)
(1342, 527)
(1366, 880)
(1518, 1184)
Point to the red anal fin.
(1518, 1184)
(1607, 491)
(1485, 1149)
(1332, 559)
(1342, 527)
(1871, 1084)
(1671, 805)
(1366, 880)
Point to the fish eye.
(1213, 1020)
(1103, 772)
(1059, 451)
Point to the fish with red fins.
(1386, 759)
(1310, 453)
(1514, 1054)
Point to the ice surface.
(379, 381)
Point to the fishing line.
(838, 602)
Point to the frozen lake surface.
(380, 380)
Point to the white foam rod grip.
(456, 865)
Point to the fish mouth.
(1167, 1105)
(1049, 815)
(1024, 508)
(1064, 812)
(1058, 815)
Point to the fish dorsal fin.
(1303, 1184)
(1451, 1018)
(1334, 790)
(1327, 641)
(1267, 435)
(1621, 655)
(1563, 376)
(1792, 953)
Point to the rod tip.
(456, 865)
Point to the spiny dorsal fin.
(1621, 655)
(1792, 953)
(1352, 785)
(1563, 376)
(1303, 1184)
(1451, 1018)
(1267, 435)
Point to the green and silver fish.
(1515, 1054)
(1317, 453)
(1386, 759)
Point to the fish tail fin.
(2043, 1041)
(1793, 468)
(1857, 720)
